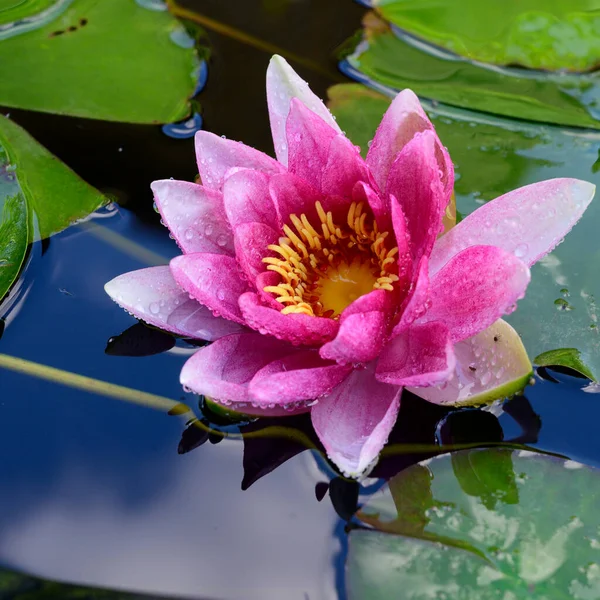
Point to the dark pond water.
(94, 490)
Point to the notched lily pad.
(14, 228)
(538, 34)
(390, 63)
(39, 196)
(481, 524)
(114, 60)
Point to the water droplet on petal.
(521, 250)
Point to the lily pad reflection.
(483, 524)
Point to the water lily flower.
(321, 277)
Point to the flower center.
(325, 268)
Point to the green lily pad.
(389, 63)
(564, 357)
(114, 60)
(14, 225)
(55, 194)
(493, 156)
(481, 524)
(539, 34)
(39, 196)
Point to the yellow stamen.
(320, 274)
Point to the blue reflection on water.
(104, 476)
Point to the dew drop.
(189, 234)
(208, 230)
(222, 240)
(154, 308)
(521, 250)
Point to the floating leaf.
(493, 156)
(539, 34)
(481, 524)
(389, 63)
(114, 60)
(57, 196)
(14, 224)
(565, 357)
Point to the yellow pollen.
(322, 273)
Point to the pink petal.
(283, 84)
(247, 199)
(153, 296)
(308, 139)
(301, 376)
(224, 369)
(414, 180)
(251, 241)
(475, 288)
(345, 167)
(214, 280)
(421, 355)
(264, 279)
(378, 203)
(194, 215)
(355, 420)
(216, 155)
(529, 221)
(404, 118)
(418, 300)
(298, 329)
(363, 331)
(292, 195)
(406, 255)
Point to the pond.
(109, 481)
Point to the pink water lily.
(321, 277)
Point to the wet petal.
(153, 296)
(301, 376)
(283, 84)
(418, 300)
(212, 279)
(309, 138)
(194, 215)
(378, 203)
(414, 180)
(491, 365)
(345, 167)
(297, 329)
(251, 241)
(529, 221)
(292, 195)
(404, 118)
(421, 355)
(224, 370)
(355, 420)
(216, 155)
(247, 199)
(477, 287)
(363, 331)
